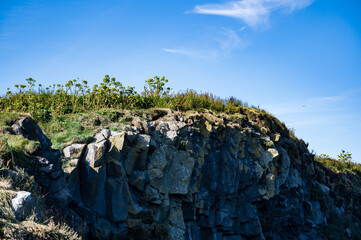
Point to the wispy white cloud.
(253, 12)
(205, 54)
(242, 28)
(218, 43)
(179, 51)
(319, 104)
(228, 39)
(327, 99)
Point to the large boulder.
(74, 151)
(138, 153)
(32, 131)
(93, 177)
(180, 172)
(117, 141)
(23, 205)
(117, 204)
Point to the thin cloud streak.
(320, 104)
(200, 54)
(178, 51)
(223, 42)
(328, 99)
(253, 12)
(242, 28)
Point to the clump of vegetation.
(16, 148)
(344, 163)
(33, 230)
(5, 152)
(76, 97)
(15, 157)
(39, 227)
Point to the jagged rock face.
(207, 180)
(46, 164)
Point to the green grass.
(19, 144)
(339, 166)
(75, 128)
(9, 118)
(16, 148)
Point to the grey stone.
(27, 123)
(103, 229)
(74, 162)
(180, 173)
(227, 176)
(56, 174)
(137, 156)
(232, 237)
(319, 217)
(131, 136)
(283, 167)
(114, 167)
(270, 186)
(157, 163)
(74, 184)
(117, 204)
(171, 137)
(294, 179)
(17, 130)
(323, 188)
(268, 156)
(33, 132)
(202, 180)
(116, 145)
(176, 217)
(152, 195)
(103, 135)
(132, 223)
(137, 179)
(47, 169)
(157, 160)
(193, 231)
(224, 217)
(95, 154)
(74, 151)
(247, 212)
(62, 197)
(252, 228)
(176, 233)
(93, 177)
(23, 205)
(120, 231)
(134, 208)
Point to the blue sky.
(298, 59)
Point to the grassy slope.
(30, 228)
(14, 150)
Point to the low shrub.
(343, 164)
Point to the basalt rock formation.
(205, 177)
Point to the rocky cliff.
(195, 176)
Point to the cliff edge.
(190, 175)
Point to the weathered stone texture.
(206, 177)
